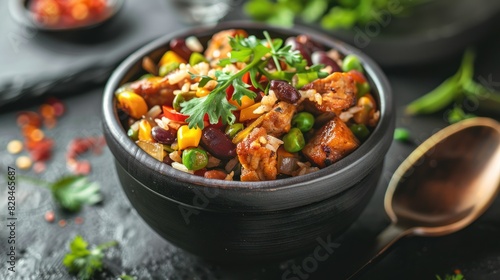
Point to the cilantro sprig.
(85, 262)
(255, 54)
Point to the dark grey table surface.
(142, 253)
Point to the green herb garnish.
(82, 261)
(256, 54)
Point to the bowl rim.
(356, 165)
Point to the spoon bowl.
(448, 181)
(443, 186)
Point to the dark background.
(74, 68)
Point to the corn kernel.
(200, 92)
(145, 131)
(171, 56)
(133, 104)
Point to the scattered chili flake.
(50, 123)
(79, 146)
(58, 108)
(50, 216)
(14, 147)
(78, 220)
(36, 135)
(39, 167)
(29, 118)
(47, 111)
(40, 150)
(62, 223)
(23, 162)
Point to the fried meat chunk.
(331, 143)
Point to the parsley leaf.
(72, 192)
(82, 261)
(241, 89)
(255, 54)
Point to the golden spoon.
(444, 185)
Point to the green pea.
(303, 121)
(360, 131)
(294, 140)
(146, 76)
(363, 88)
(133, 134)
(351, 62)
(168, 67)
(196, 58)
(233, 129)
(401, 134)
(194, 158)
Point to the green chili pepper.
(457, 114)
(196, 58)
(303, 121)
(447, 92)
(179, 98)
(133, 134)
(194, 158)
(168, 67)
(351, 62)
(233, 129)
(305, 78)
(294, 140)
(360, 131)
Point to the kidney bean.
(309, 43)
(217, 143)
(285, 91)
(304, 51)
(215, 174)
(163, 136)
(179, 46)
(320, 57)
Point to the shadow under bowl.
(232, 221)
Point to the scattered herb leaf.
(82, 261)
(72, 192)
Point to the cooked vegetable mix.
(249, 109)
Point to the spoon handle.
(385, 239)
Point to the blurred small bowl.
(20, 12)
(234, 221)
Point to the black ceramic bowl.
(247, 221)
